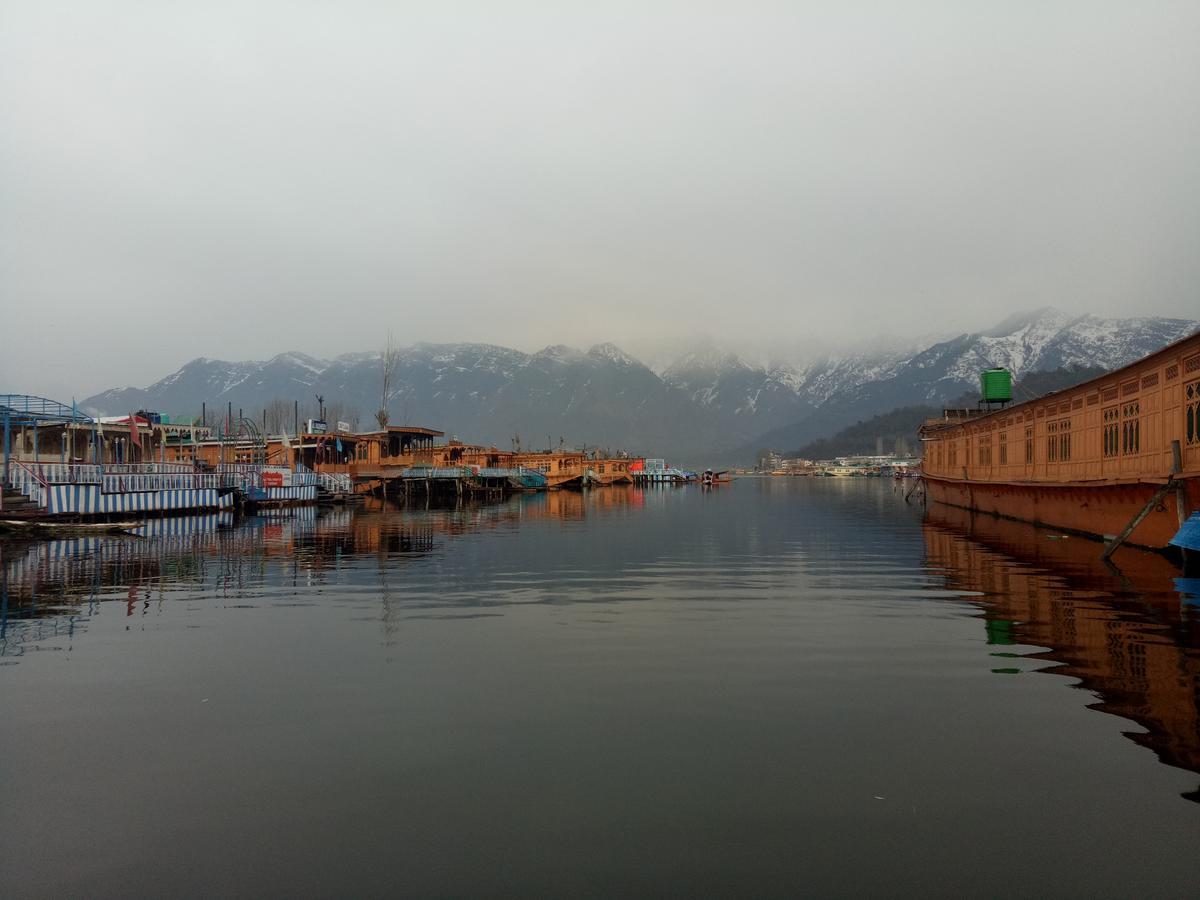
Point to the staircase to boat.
(16, 505)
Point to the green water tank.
(996, 385)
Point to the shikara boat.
(32, 528)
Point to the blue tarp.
(1188, 536)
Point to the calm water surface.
(785, 686)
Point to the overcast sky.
(238, 179)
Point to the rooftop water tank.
(996, 385)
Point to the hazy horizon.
(233, 181)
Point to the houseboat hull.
(1096, 510)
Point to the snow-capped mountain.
(845, 391)
(734, 394)
(479, 392)
(706, 401)
(1039, 341)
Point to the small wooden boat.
(33, 528)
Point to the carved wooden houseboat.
(1116, 457)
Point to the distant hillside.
(901, 425)
(890, 429)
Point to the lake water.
(780, 687)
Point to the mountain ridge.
(706, 401)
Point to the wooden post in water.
(1181, 510)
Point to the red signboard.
(272, 479)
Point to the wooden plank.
(1136, 521)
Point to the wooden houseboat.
(562, 468)
(606, 470)
(1117, 457)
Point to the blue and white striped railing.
(125, 484)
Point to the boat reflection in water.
(49, 590)
(1129, 631)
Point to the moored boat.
(1116, 457)
(41, 528)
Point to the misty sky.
(238, 179)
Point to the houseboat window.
(1131, 428)
(1004, 448)
(1110, 430)
(985, 450)
(1192, 401)
(1052, 442)
(1064, 440)
(1028, 445)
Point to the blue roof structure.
(23, 409)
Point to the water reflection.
(49, 589)
(1129, 631)
(777, 688)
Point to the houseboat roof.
(412, 429)
(377, 432)
(953, 417)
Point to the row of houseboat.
(58, 463)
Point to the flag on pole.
(134, 438)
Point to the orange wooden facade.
(376, 456)
(396, 445)
(1088, 458)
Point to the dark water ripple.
(784, 687)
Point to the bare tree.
(388, 361)
(333, 412)
(279, 414)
